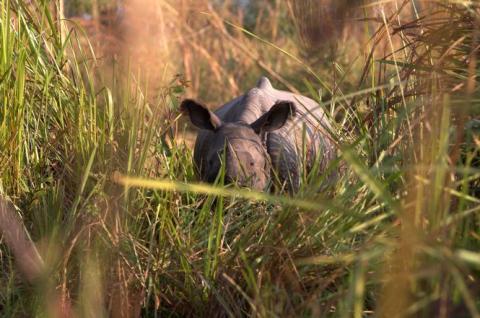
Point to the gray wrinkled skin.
(246, 157)
(252, 159)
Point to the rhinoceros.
(262, 134)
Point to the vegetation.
(100, 210)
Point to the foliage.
(96, 165)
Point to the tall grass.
(110, 221)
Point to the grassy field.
(100, 210)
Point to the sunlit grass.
(106, 216)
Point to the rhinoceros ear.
(275, 118)
(200, 116)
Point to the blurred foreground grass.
(101, 214)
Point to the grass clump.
(102, 215)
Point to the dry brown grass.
(397, 233)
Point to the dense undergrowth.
(95, 168)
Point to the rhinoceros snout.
(246, 170)
(251, 181)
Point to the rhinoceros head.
(247, 162)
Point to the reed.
(98, 189)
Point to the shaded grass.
(107, 190)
